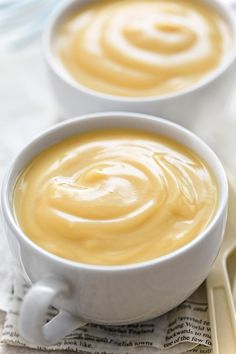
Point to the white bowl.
(207, 97)
(109, 294)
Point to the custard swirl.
(142, 48)
(114, 197)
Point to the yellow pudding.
(114, 197)
(139, 48)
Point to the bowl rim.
(9, 183)
(57, 68)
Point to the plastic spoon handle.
(222, 313)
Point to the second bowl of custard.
(171, 58)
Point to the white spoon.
(220, 298)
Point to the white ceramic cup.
(203, 99)
(108, 294)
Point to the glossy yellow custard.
(139, 48)
(114, 197)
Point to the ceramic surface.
(202, 99)
(109, 294)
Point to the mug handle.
(34, 309)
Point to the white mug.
(207, 97)
(108, 294)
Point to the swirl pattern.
(142, 48)
(114, 197)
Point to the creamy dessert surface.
(115, 197)
(142, 48)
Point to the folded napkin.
(186, 329)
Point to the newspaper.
(186, 329)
